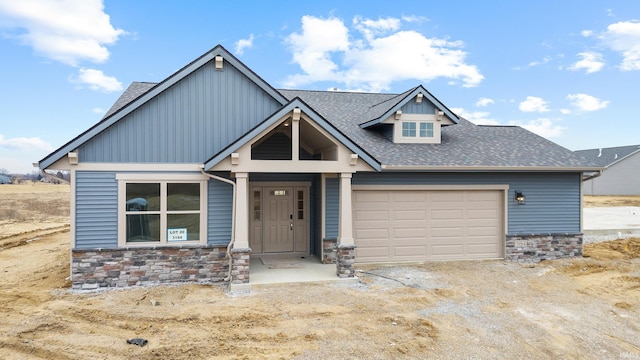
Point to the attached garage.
(418, 225)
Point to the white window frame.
(416, 119)
(163, 180)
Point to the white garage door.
(408, 225)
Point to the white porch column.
(345, 233)
(242, 212)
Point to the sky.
(567, 70)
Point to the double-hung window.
(414, 129)
(166, 212)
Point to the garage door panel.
(377, 253)
(428, 225)
(375, 215)
(482, 214)
(372, 233)
(409, 233)
(443, 214)
(410, 251)
(449, 250)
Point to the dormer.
(416, 117)
(417, 128)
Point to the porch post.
(240, 252)
(242, 211)
(345, 234)
(346, 254)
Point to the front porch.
(292, 270)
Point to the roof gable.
(138, 95)
(379, 112)
(318, 119)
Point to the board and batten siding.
(552, 199)
(219, 212)
(425, 107)
(187, 123)
(96, 210)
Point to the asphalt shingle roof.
(607, 156)
(131, 93)
(464, 145)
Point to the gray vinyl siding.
(425, 107)
(332, 212)
(219, 212)
(552, 199)
(96, 210)
(622, 178)
(187, 123)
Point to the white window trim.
(417, 119)
(163, 180)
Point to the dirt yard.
(585, 308)
(607, 201)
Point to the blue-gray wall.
(552, 205)
(219, 212)
(96, 210)
(332, 208)
(189, 122)
(425, 107)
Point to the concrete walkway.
(610, 223)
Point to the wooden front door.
(279, 219)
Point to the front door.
(279, 219)
(278, 222)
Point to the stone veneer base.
(345, 258)
(538, 247)
(102, 268)
(329, 250)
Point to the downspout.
(233, 215)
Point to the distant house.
(621, 175)
(4, 179)
(189, 178)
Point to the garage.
(418, 225)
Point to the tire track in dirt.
(27, 237)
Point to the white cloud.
(382, 55)
(533, 104)
(586, 33)
(586, 102)
(98, 110)
(243, 44)
(624, 37)
(68, 31)
(483, 101)
(543, 127)
(476, 117)
(23, 143)
(97, 80)
(544, 60)
(591, 62)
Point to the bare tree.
(4, 171)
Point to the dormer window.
(413, 129)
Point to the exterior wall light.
(520, 198)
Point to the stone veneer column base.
(101, 268)
(345, 258)
(538, 247)
(240, 265)
(329, 250)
